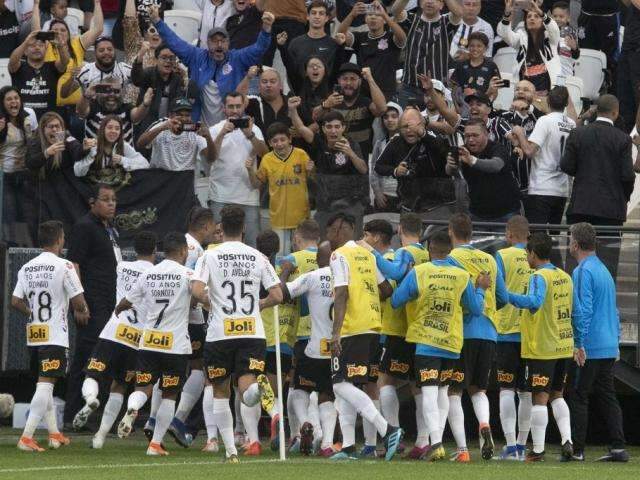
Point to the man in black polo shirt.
(270, 105)
(245, 25)
(94, 251)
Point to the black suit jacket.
(598, 156)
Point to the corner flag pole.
(276, 325)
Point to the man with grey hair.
(593, 374)
(270, 105)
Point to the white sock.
(481, 407)
(224, 421)
(51, 418)
(156, 399)
(207, 412)
(524, 417)
(443, 407)
(300, 404)
(190, 394)
(251, 419)
(563, 418)
(163, 419)
(456, 421)
(237, 401)
(251, 395)
(422, 437)
(389, 404)
(314, 415)
(274, 411)
(90, 389)
(347, 416)
(137, 400)
(294, 423)
(369, 429)
(508, 416)
(328, 417)
(110, 413)
(539, 420)
(38, 407)
(362, 403)
(431, 412)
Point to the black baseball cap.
(350, 67)
(218, 31)
(181, 104)
(480, 97)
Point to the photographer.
(176, 141)
(493, 190)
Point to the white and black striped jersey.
(90, 74)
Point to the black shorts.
(313, 375)
(376, 358)
(197, 334)
(170, 368)
(298, 351)
(53, 361)
(475, 363)
(397, 357)
(359, 353)
(235, 356)
(113, 359)
(511, 368)
(546, 375)
(285, 363)
(433, 371)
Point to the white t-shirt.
(550, 134)
(126, 327)
(195, 252)
(340, 267)
(212, 112)
(229, 180)
(48, 282)
(173, 152)
(165, 293)
(465, 30)
(234, 272)
(317, 286)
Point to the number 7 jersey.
(234, 273)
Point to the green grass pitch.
(126, 459)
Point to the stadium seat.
(505, 95)
(5, 76)
(590, 67)
(185, 23)
(575, 86)
(505, 59)
(74, 18)
(186, 5)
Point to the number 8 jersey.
(48, 282)
(234, 272)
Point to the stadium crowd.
(390, 108)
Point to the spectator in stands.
(378, 48)
(474, 73)
(599, 25)
(548, 185)
(136, 29)
(435, 120)
(55, 10)
(215, 14)
(270, 105)
(229, 181)
(105, 98)
(416, 159)
(105, 66)
(493, 190)
(68, 91)
(9, 30)
(285, 170)
(341, 171)
(17, 123)
(316, 42)
(291, 22)
(428, 43)
(111, 151)
(598, 156)
(245, 24)
(166, 84)
(315, 92)
(628, 70)
(537, 46)
(175, 143)
(215, 71)
(568, 49)
(35, 78)
(358, 110)
(51, 155)
(385, 189)
(471, 24)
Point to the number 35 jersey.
(48, 282)
(164, 291)
(126, 328)
(234, 272)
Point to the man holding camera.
(176, 141)
(236, 138)
(493, 190)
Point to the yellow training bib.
(517, 274)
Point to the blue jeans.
(251, 220)
(407, 93)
